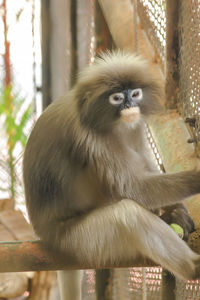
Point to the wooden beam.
(103, 37)
(85, 39)
(172, 53)
(120, 20)
(32, 256)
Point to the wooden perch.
(32, 256)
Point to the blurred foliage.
(14, 116)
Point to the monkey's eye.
(137, 94)
(116, 98)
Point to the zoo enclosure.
(167, 33)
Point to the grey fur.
(82, 163)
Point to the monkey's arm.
(177, 214)
(155, 191)
(174, 214)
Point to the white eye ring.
(116, 98)
(137, 94)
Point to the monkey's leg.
(155, 191)
(122, 231)
(70, 284)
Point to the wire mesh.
(189, 94)
(88, 286)
(187, 291)
(155, 153)
(152, 15)
(137, 284)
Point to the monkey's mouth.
(131, 114)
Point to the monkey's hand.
(178, 214)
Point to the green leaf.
(11, 107)
(20, 136)
(2, 108)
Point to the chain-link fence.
(189, 64)
(152, 14)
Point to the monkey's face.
(127, 102)
(117, 88)
(102, 111)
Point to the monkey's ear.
(83, 99)
(88, 94)
(82, 92)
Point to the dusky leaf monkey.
(89, 181)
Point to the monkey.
(90, 185)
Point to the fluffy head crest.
(117, 69)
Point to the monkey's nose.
(129, 104)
